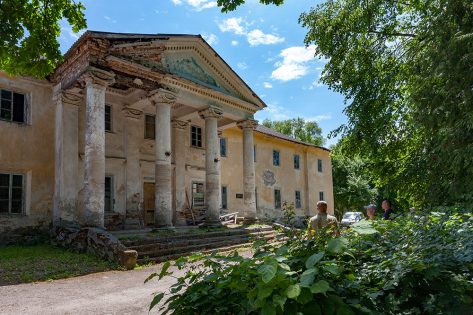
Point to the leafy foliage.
(29, 32)
(298, 128)
(413, 265)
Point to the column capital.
(67, 97)
(98, 77)
(162, 96)
(248, 124)
(179, 124)
(211, 112)
(132, 113)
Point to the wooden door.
(149, 204)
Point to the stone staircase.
(167, 247)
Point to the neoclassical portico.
(179, 81)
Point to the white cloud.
(242, 65)
(267, 85)
(233, 25)
(238, 26)
(109, 19)
(257, 37)
(319, 118)
(276, 112)
(234, 43)
(211, 39)
(294, 64)
(197, 5)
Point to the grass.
(43, 262)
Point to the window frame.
(110, 115)
(192, 194)
(224, 200)
(224, 141)
(297, 201)
(254, 153)
(198, 132)
(10, 188)
(12, 106)
(146, 136)
(277, 198)
(298, 162)
(320, 168)
(321, 196)
(278, 159)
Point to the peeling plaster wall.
(28, 149)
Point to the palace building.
(146, 125)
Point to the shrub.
(414, 265)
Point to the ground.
(112, 292)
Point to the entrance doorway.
(149, 204)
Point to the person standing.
(323, 221)
(386, 205)
(371, 211)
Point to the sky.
(264, 45)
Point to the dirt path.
(113, 292)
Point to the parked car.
(351, 217)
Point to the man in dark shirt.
(386, 205)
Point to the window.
(275, 158)
(12, 106)
(277, 199)
(196, 136)
(224, 198)
(319, 165)
(108, 194)
(254, 153)
(198, 195)
(321, 195)
(223, 147)
(108, 118)
(296, 161)
(11, 193)
(298, 199)
(150, 127)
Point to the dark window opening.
(224, 197)
(223, 147)
(321, 195)
(150, 127)
(12, 106)
(198, 195)
(108, 118)
(296, 161)
(196, 136)
(319, 166)
(298, 200)
(277, 199)
(108, 194)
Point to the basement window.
(12, 106)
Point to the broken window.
(150, 127)
(11, 193)
(12, 106)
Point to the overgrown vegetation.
(45, 262)
(418, 264)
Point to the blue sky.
(263, 44)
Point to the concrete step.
(222, 245)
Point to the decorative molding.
(248, 124)
(162, 96)
(179, 124)
(132, 113)
(268, 178)
(99, 77)
(211, 112)
(71, 98)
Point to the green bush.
(413, 265)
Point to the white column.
(163, 213)
(134, 136)
(66, 157)
(249, 200)
(212, 166)
(181, 145)
(94, 155)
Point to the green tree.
(404, 68)
(29, 30)
(298, 128)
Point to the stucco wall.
(28, 149)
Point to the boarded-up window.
(150, 127)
